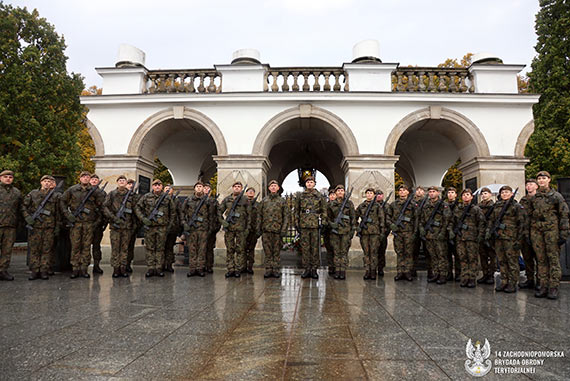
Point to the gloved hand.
(30, 220)
(146, 222)
(451, 234)
(333, 225)
(225, 224)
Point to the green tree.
(454, 177)
(162, 173)
(40, 113)
(548, 148)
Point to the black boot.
(541, 293)
(34, 275)
(96, 268)
(399, 276)
(276, 274)
(5, 275)
(116, 272)
(74, 274)
(229, 274)
(380, 272)
(123, 270)
(314, 274)
(366, 275)
(342, 275)
(268, 274)
(306, 274)
(85, 274)
(44, 275)
(129, 268)
(331, 270)
(552, 293)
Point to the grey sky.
(199, 34)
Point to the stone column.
(481, 171)
(250, 170)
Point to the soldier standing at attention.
(214, 228)
(404, 233)
(272, 226)
(326, 231)
(121, 227)
(251, 240)
(310, 206)
(98, 227)
(236, 230)
(419, 196)
(135, 227)
(370, 234)
(156, 228)
(196, 229)
(469, 223)
(174, 231)
(527, 251)
(43, 229)
(341, 232)
(452, 258)
(10, 204)
(548, 231)
(487, 254)
(508, 237)
(433, 221)
(384, 235)
(82, 224)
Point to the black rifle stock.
(232, 213)
(123, 208)
(429, 223)
(457, 230)
(40, 210)
(398, 222)
(340, 216)
(498, 224)
(365, 218)
(194, 217)
(81, 208)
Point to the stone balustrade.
(305, 79)
(432, 80)
(184, 81)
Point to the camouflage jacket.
(410, 220)
(176, 223)
(512, 224)
(525, 205)
(486, 207)
(74, 196)
(273, 214)
(101, 218)
(242, 218)
(473, 225)
(309, 206)
(548, 211)
(348, 218)
(440, 221)
(10, 204)
(202, 220)
(112, 205)
(254, 207)
(50, 217)
(166, 211)
(213, 210)
(376, 221)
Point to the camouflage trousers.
(250, 243)
(120, 240)
(131, 249)
(41, 246)
(404, 247)
(437, 251)
(272, 250)
(197, 241)
(508, 261)
(169, 248)
(453, 261)
(468, 253)
(341, 244)
(370, 244)
(420, 248)
(382, 253)
(81, 236)
(330, 250)
(7, 239)
(529, 257)
(97, 238)
(545, 245)
(210, 245)
(310, 246)
(235, 250)
(154, 241)
(488, 259)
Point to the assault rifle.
(365, 219)
(457, 230)
(429, 223)
(155, 213)
(340, 216)
(232, 213)
(194, 216)
(41, 208)
(498, 224)
(81, 208)
(123, 208)
(401, 216)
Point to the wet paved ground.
(250, 328)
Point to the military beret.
(206, 184)
(531, 181)
(466, 190)
(272, 182)
(130, 181)
(339, 186)
(84, 173)
(310, 178)
(453, 189)
(198, 183)
(47, 177)
(237, 183)
(250, 188)
(420, 187)
(380, 191)
(404, 186)
(7, 172)
(485, 189)
(505, 187)
(433, 187)
(331, 191)
(157, 181)
(121, 177)
(94, 175)
(543, 173)
(370, 190)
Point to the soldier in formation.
(10, 203)
(136, 225)
(452, 257)
(383, 237)
(196, 219)
(251, 239)
(487, 255)
(327, 237)
(341, 219)
(99, 226)
(175, 229)
(420, 199)
(529, 256)
(212, 205)
(403, 224)
(371, 229)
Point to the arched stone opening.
(97, 139)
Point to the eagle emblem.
(478, 363)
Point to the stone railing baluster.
(285, 87)
(327, 86)
(295, 81)
(316, 85)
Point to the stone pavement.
(250, 328)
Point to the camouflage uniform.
(487, 254)
(452, 257)
(419, 246)
(197, 238)
(81, 233)
(370, 236)
(251, 240)
(134, 231)
(156, 231)
(527, 251)
(237, 232)
(272, 223)
(98, 229)
(173, 233)
(309, 206)
(383, 240)
(341, 236)
(10, 204)
(507, 240)
(467, 239)
(41, 237)
(548, 225)
(121, 228)
(326, 232)
(404, 235)
(436, 236)
(214, 229)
